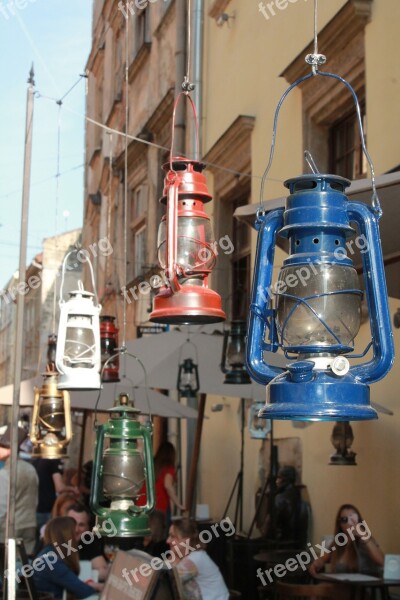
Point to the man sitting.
(90, 546)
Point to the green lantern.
(119, 472)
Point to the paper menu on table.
(352, 577)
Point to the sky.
(55, 35)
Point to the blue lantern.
(317, 308)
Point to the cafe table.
(359, 583)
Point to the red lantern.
(109, 349)
(186, 249)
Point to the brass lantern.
(51, 429)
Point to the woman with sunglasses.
(353, 549)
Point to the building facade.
(250, 53)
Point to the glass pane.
(302, 324)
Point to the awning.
(388, 188)
(162, 354)
(148, 401)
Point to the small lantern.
(316, 315)
(259, 427)
(185, 249)
(188, 379)
(51, 429)
(120, 471)
(342, 440)
(109, 347)
(78, 347)
(233, 354)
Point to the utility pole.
(12, 488)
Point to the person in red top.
(165, 477)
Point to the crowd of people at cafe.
(52, 512)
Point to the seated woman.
(200, 576)
(59, 564)
(353, 549)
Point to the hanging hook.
(196, 124)
(315, 59)
(80, 284)
(124, 353)
(310, 161)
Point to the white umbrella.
(162, 353)
(160, 404)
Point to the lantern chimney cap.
(317, 182)
(181, 163)
(82, 293)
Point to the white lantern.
(78, 356)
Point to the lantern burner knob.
(340, 366)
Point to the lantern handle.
(375, 199)
(80, 284)
(123, 352)
(196, 126)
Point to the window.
(346, 154)
(330, 127)
(240, 264)
(138, 212)
(232, 188)
(141, 30)
(139, 250)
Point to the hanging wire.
(124, 320)
(110, 178)
(188, 342)
(187, 85)
(108, 129)
(315, 60)
(123, 352)
(56, 208)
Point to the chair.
(323, 591)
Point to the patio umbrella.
(148, 401)
(162, 354)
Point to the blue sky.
(55, 35)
